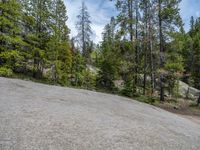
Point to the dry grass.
(186, 108)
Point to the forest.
(145, 49)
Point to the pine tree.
(109, 59)
(148, 42)
(168, 18)
(36, 27)
(129, 22)
(78, 66)
(10, 39)
(47, 37)
(84, 30)
(192, 23)
(144, 8)
(195, 72)
(59, 48)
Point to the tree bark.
(130, 9)
(161, 51)
(145, 45)
(151, 55)
(198, 101)
(162, 99)
(136, 39)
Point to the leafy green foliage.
(89, 80)
(5, 72)
(106, 75)
(77, 69)
(10, 40)
(145, 40)
(128, 89)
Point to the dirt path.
(192, 118)
(35, 116)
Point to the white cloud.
(100, 12)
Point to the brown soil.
(184, 108)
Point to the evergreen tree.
(59, 48)
(78, 66)
(36, 32)
(84, 30)
(129, 22)
(145, 46)
(11, 57)
(168, 19)
(148, 41)
(192, 23)
(195, 71)
(109, 59)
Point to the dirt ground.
(40, 117)
(184, 108)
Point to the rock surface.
(40, 117)
(186, 91)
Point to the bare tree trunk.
(145, 69)
(130, 7)
(161, 52)
(198, 101)
(136, 38)
(151, 56)
(130, 3)
(146, 45)
(83, 32)
(162, 99)
(187, 93)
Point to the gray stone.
(40, 117)
(186, 91)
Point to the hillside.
(37, 116)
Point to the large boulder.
(188, 92)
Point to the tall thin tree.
(83, 26)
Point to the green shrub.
(5, 72)
(89, 79)
(127, 90)
(147, 99)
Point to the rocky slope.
(42, 117)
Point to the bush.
(89, 80)
(130, 90)
(5, 72)
(127, 90)
(147, 99)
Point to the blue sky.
(102, 10)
